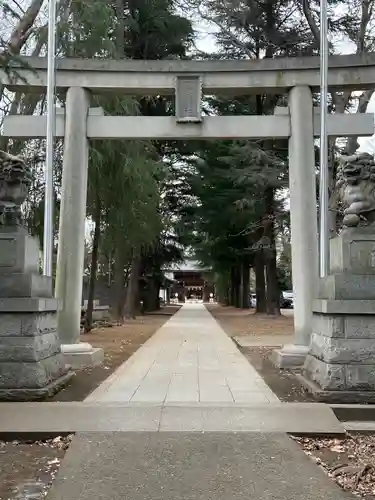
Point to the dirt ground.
(350, 462)
(245, 322)
(282, 382)
(28, 469)
(118, 343)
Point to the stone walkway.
(189, 360)
(186, 417)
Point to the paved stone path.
(190, 359)
(186, 417)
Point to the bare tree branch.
(352, 142)
(120, 30)
(310, 20)
(341, 101)
(22, 30)
(22, 10)
(20, 34)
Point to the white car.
(289, 296)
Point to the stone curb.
(354, 412)
(52, 418)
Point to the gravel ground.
(350, 462)
(27, 469)
(284, 383)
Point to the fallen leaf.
(54, 461)
(338, 448)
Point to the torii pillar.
(304, 226)
(71, 243)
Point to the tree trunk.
(120, 30)
(154, 296)
(93, 270)
(273, 292)
(222, 288)
(151, 296)
(260, 284)
(119, 285)
(157, 295)
(226, 297)
(232, 289)
(132, 290)
(245, 285)
(236, 286)
(109, 282)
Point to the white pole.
(324, 177)
(50, 133)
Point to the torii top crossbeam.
(135, 77)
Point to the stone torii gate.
(78, 123)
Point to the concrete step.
(294, 418)
(359, 426)
(354, 412)
(190, 466)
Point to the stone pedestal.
(289, 356)
(82, 355)
(340, 366)
(31, 363)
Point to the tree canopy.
(152, 202)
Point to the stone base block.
(80, 356)
(340, 376)
(347, 307)
(25, 285)
(27, 324)
(342, 350)
(31, 363)
(30, 374)
(29, 348)
(101, 314)
(327, 376)
(28, 304)
(35, 393)
(290, 356)
(336, 397)
(352, 252)
(342, 355)
(347, 287)
(19, 252)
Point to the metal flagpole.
(324, 173)
(50, 137)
